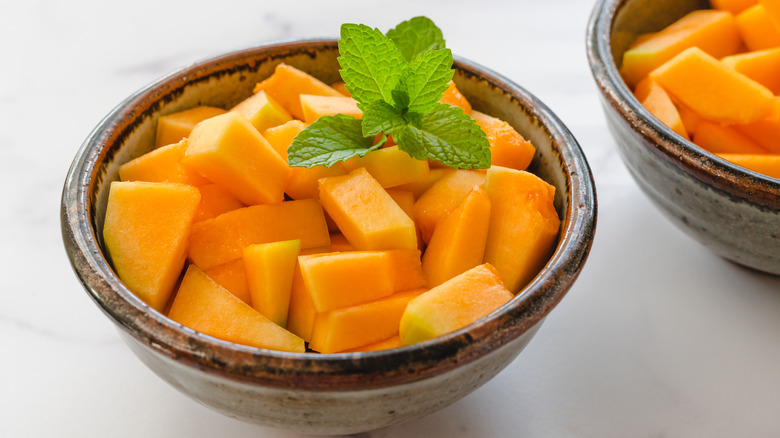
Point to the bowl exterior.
(322, 394)
(732, 211)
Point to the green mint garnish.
(397, 80)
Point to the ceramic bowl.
(312, 393)
(733, 211)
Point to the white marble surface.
(657, 338)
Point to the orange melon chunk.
(364, 212)
(765, 132)
(757, 30)
(232, 276)
(766, 164)
(390, 166)
(145, 231)
(523, 224)
(222, 239)
(203, 305)
(262, 111)
(716, 92)
(458, 242)
(341, 87)
(281, 137)
(661, 106)
(453, 304)
(407, 269)
(444, 196)
(288, 83)
(345, 279)
(404, 199)
(689, 118)
(339, 243)
(314, 107)
(229, 151)
(733, 6)
(359, 325)
(717, 138)
(714, 32)
(772, 8)
(172, 128)
(162, 165)
(452, 96)
(419, 187)
(762, 66)
(301, 313)
(507, 147)
(214, 200)
(269, 272)
(386, 344)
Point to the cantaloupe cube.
(765, 132)
(458, 242)
(262, 111)
(269, 273)
(507, 147)
(172, 128)
(203, 305)
(757, 30)
(407, 272)
(523, 227)
(452, 96)
(689, 117)
(658, 102)
(772, 8)
(281, 137)
(733, 6)
(339, 243)
(162, 165)
(385, 344)
(762, 66)
(301, 314)
(718, 138)
(714, 32)
(390, 166)
(288, 83)
(145, 231)
(214, 201)
(314, 107)
(345, 279)
(453, 305)
(364, 212)
(404, 199)
(444, 196)
(419, 187)
(222, 239)
(232, 276)
(716, 92)
(363, 324)
(341, 87)
(229, 151)
(767, 164)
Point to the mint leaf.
(416, 36)
(427, 78)
(328, 140)
(371, 64)
(381, 117)
(448, 135)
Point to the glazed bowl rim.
(311, 371)
(737, 181)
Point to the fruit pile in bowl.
(231, 229)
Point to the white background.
(657, 338)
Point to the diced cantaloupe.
(689, 117)
(714, 32)
(523, 224)
(203, 305)
(232, 276)
(458, 242)
(339, 243)
(262, 111)
(733, 6)
(407, 272)
(301, 314)
(286, 85)
(658, 102)
(229, 151)
(364, 212)
(444, 196)
(762, 66)
(214, 201)
(162, 165)
(269, 273)
(757, 30)
(765, 132)
(385, 344)
(452, 96)
(772, 8)
(453, 304)
(765, 163)
(718, 139)
(281, 137)
(346, 278)
(171, 128)
(420, 187)
(223, 238)
(716, 92)
(359, 325)
(404, 199)
(507, 147)
(314, 107)
(341, 87)
(145, 231)
(390, 166)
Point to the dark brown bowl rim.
(739, 183)
(311, 371)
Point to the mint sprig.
(398, 80)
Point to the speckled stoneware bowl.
(324, 394)
(733, 211)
